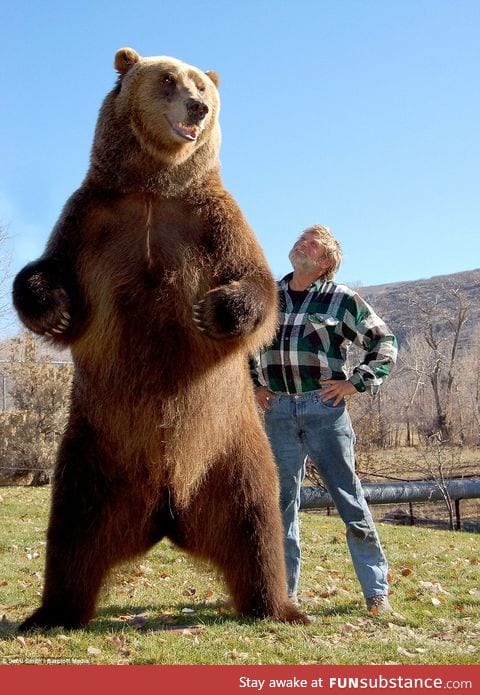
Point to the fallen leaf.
(317, 639)
(142, 570)
(307, 594)
(32, 556)
(348, 628)
(331, 591)
(118, 641)
(94, 651)
(406, 571)
(238, 655)
(434, 588)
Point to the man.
(301, 382)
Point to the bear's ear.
(213, 76)
(125, 58)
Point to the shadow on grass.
(346, 609)
(152, 618)
(147, 618)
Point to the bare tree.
(413, 396)
(467, 393)
(441, 328)
(440, 463)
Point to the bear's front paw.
(42, 304)
(225, 313)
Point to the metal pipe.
(312, 497)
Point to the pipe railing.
(313, 497)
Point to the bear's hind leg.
(234, 521)
(89, 532)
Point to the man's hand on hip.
(336, 389)
(263, 397)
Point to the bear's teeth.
(189, 132)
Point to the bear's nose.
(196, 110)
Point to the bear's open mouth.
(189, 132)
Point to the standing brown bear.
(155, 281)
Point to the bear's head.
(162, 112)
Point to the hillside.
(394, 301)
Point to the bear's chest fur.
(136, 237)
(151, 258)
(145, 262)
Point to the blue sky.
(361, 115)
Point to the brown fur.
(155, 281)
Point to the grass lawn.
(166, 610)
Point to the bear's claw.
(62, 325)
(197, 315)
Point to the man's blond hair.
(333, 251)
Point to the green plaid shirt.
(314, 336)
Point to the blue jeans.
(303, 425)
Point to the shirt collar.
(315, 285)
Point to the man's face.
(307, 254)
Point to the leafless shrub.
(29, 434)
(440, 463)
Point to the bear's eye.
(168, 80)
(201, 88)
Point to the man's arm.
(263, 395)
(370, 332)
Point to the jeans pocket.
(328, 404)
